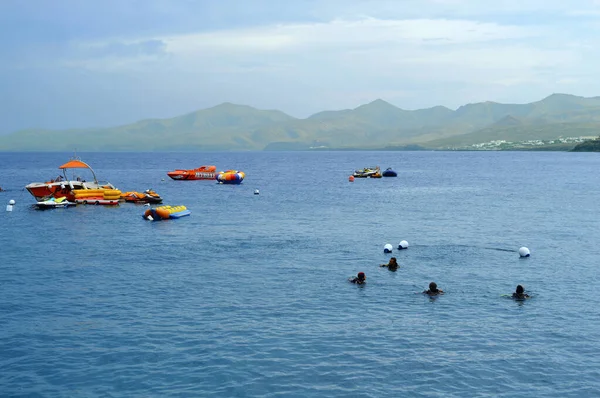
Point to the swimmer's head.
(393, 260)
(433, 287)
(520, 289)
(361, 276)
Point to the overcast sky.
(76, 63)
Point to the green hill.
(375, 125)
(588, 146)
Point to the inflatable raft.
(97, 196)
(389, 173)
(230, 177)
(166, 212)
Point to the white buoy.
(524, 252)
(387, 248)
(402, 245)
(9, 206)
(256, 192)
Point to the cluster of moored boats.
(208, 173)
(373, 172)
(65, 191)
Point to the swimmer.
(392, 265)
(519, 293)
(359, 279)
(433, 290)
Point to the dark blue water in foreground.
(248, 296)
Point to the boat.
(53, 203)
(148, 196)
(201, 173)
(389, 173)
(63, 186)
(165, 213)
(368, 173)
(230, 177)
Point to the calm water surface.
(249, 295)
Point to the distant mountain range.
(376, 125)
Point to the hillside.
(375, 125)
(588, 146)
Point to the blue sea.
(249, 296)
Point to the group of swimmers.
(392, 265)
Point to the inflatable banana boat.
(97, 196)
(166, 212)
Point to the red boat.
(63, 185)
(201, 173)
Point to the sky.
(77, 64)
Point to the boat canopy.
(75, 164)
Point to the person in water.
(359, 279)
(520, 293)
(433, 290)
(392, 265)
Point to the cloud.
(168, 58)
(347, 34)
(122, 49)
(350, 45)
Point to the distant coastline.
(559, 122)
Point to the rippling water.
(249, 295)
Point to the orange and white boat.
(63, 186)
(148, 196)
(201, 173)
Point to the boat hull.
(49, 204)
(148, 199)
(201, 173)
(42, 191)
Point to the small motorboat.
(64, 185)
(389, 173)
(148, 196)
(231, 177)
(368, 173)
(53, 203)
(201, 173)
(165, 213)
